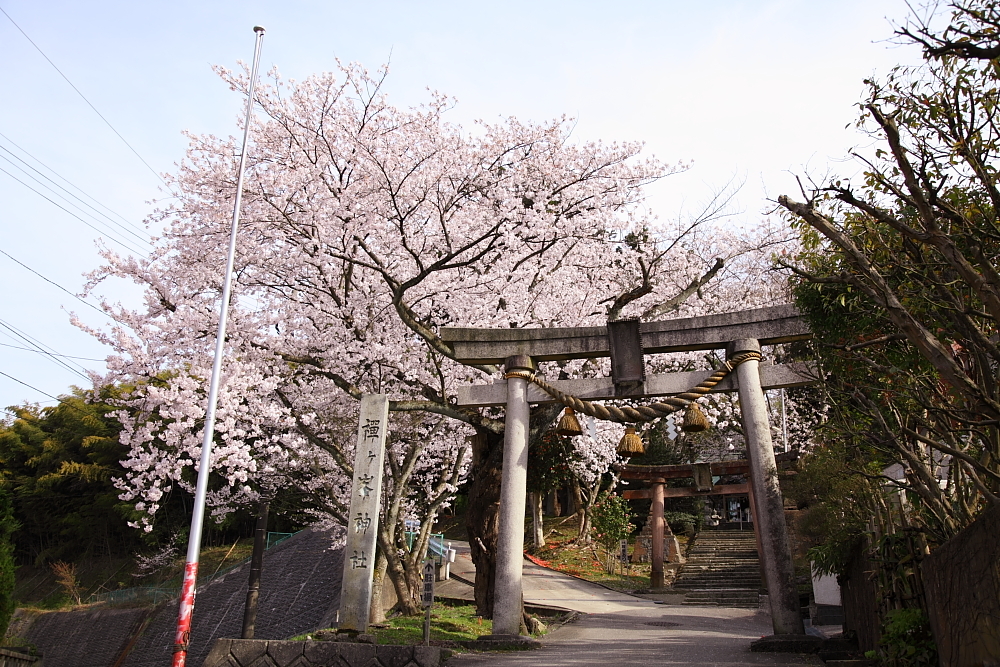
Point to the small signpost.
(362, 527)
(623, 556)
(428, 598)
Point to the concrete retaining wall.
(253, 652)
(300, 592)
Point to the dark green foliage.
(684, 523)
(7, 528)
(837, 496)
(58, 464)
(898, 277)
(906, 640)
(548, 462)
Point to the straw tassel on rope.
(569, 424)
(631, 443)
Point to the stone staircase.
(722, 570)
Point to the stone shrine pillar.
(770, 510)
(362, 522)
(513, 487)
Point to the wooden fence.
(962, 588)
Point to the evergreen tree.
(7, 527)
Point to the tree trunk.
(406, 590)
(482, 517)
(399, 570)
(583, 516)
(376, 612)
(537, 516)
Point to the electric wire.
(106, 121)
(70, 183)
(50, 353)
(66, 356)
(70, 203)
(55, 203)
(55, 186)
(44, 393)
(84, 302)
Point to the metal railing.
(436, 547)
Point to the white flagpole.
(186, 606)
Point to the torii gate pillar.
(779, 572)
(513, 487)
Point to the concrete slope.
(81, 638)
(300, 592)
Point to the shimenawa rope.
(643, 413)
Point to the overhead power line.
(71, 200)
(61, 192)
(68, 182)
(51, 201)
(50, 353)
(44, 393)
(65, 356)
(84, 98)
(29, 386)
(83, 301)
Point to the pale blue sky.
(755, 89)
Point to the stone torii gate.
(626, 342)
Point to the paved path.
(651, 635)
(618, 629)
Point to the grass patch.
(562, 554)
(453, 527)
(449, 623)
(453, 624)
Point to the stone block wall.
(260, 653)
(82, 638)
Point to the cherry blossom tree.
(366, 228)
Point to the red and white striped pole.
(186, 606)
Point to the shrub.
(610, 525)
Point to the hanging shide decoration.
(694, 419)
(569, 424)
(631, 444)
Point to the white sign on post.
(362, 525)
(428, 597)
